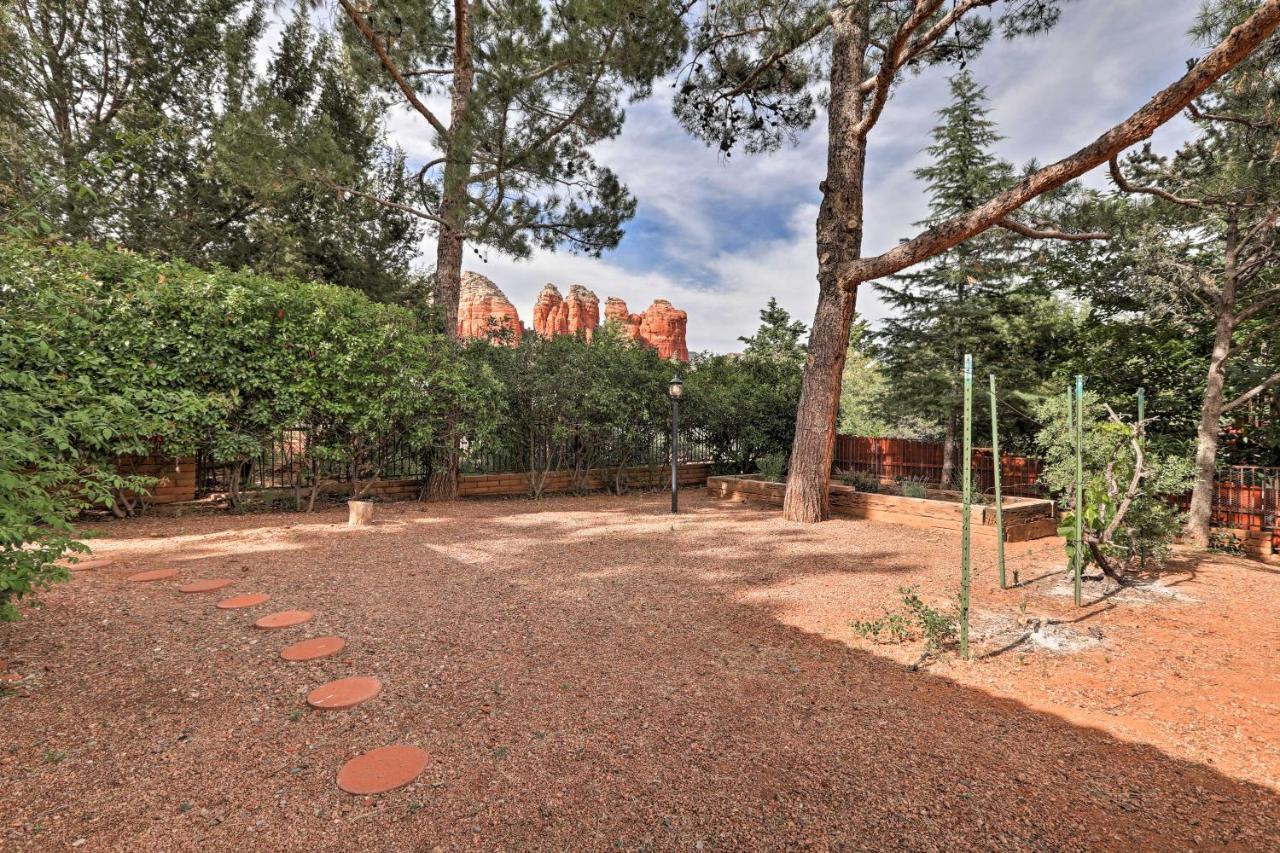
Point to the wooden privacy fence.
(892, 459)
(1245, 497)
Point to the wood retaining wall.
(1024, 518)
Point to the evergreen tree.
(779, 338)
(531, 88)
(760, 69)
(178, 146)
(952, 305)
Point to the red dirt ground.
(592, 672)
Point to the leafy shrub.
(1125, 517)
(913, 489)
(862, 481)
(1225, 542)
(105, 354)
(773, 467)
(936, 627)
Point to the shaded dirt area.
(593, 673)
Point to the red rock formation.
(583, 308)
(550, 317)
(479, 301)
(663, 328)
(578, 312)
(615, 309)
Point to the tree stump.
(359, 513)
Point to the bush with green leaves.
(577, 405)
(862, 481)
(106, 355)
(913, 489)
(773, 467)
(1126, 518)
(745, 404)
(68, 408)
(916, 619)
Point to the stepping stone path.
(238, 601)
(284, 619)
(382, 770)
(153, 575)
(344, 693)
(206, 585)
(311, 649)
(373, 772)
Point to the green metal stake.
(1079, 552)
(1142, 443)
(995, 467)
(967, 489)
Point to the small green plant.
(936, 627)
(889, 628)
(912, 489)
(773, 467)
(183, 808)
(1225, 542)
(295, 715)
(54, 756)
(862, 481)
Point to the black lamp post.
(674, 390)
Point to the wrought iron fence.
(282, 462)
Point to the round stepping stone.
(382, 770)
(238, 601)
(284, 619)
(206, 585)
(311, 649)
(153, 575)
(344, 693)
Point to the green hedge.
(104, 353)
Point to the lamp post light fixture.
(675, 389)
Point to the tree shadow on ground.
(612, 677)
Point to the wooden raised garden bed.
(1024, 518)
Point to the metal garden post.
(995, 467)
(1142, 441)
(674, 390)
(1079, 551)
(967, 489)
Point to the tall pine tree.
(950, 306)
(973, 298)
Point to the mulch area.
(592, 672)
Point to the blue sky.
(719, 236)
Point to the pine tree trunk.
(949, 454)
(839, 243)
(454, 207)
(1200, 515)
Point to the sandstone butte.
(480, 301)
(661, 326)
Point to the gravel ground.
(591, 672)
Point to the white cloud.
(703, 214)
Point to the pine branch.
(891, 62)
(1050, 233)
(391, 68)
(385, 202)
(1166, 104)
(1125, 186)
